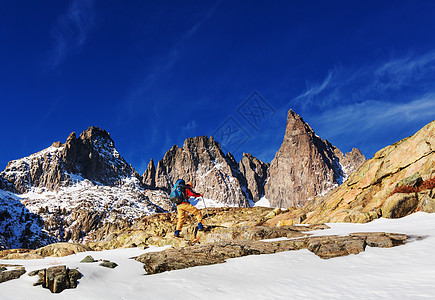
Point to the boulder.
(57, 278)
(7, 275)
(88, 259)
(426, 202)
(335, 246)
(399, 205)
(109, 264)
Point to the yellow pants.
(182, 209)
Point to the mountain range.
(69, 190)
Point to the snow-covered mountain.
(91, 156)
(70, 190)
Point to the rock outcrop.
(306, 166)
(325, 247)
(369, 193)
(255, 172)
(202, 162)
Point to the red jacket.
(189, 193)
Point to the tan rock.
(426, 202)
(285, 223)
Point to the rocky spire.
(255, 171)
(305, 166)
(149, 176)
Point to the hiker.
(185, 207)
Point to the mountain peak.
(92, 156)
(305, 166)
(94, 132)
(296, 125)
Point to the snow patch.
(263, 202)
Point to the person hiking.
(185, 207)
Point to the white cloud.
(71, 30)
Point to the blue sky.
(152, 73)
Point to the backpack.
(177, 194)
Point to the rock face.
(368, 193)
(306, 166)
(324, 246)
(202, 162)
(255, 172)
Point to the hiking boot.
(200, 226)
(177, 233)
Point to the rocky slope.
(306, 166)
(19, 228)
(202, 162)
(398, 180)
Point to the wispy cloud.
(371, 115)
(205, 17)
(315, 89)
(382, 81)
(71, 31)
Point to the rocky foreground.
(231, 232)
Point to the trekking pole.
(205, 206)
